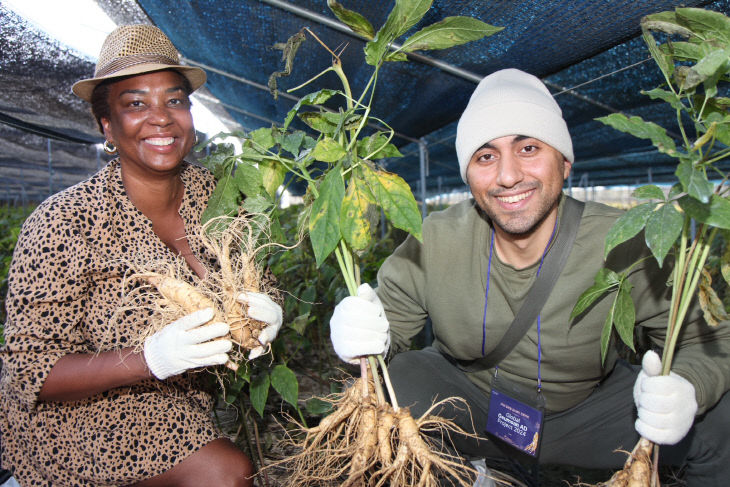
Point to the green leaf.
(694, 181)
(705, 22)
(396, 56)
(705, 137)
(220, 161)
(716, 213)
(328, 150)
(662, 229)
(259, 392)
(272, 175)
(624, 316)
(405, 14)
(641, 129)
(354, 221)
(664, 61)
(665, 22)
(316, 98)
(291, 142)
(627, 226)
(604, 280)
(324, 220)
(248, 180)
(377, 146)
(257, 204)
(707, 67)
(306, 299)
(675, 191)
(299, 324)
(355, 21)
(244, 372)
(321, 122)
(224, 200)
(284, 381)
(262, 138)
(449, 32)
(318, 407)
(689, 51)
(648, 192)
(606, 334)
(667, 96)
(394, 196)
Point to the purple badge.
(514, 422)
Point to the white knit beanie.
(510, 102)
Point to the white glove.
(184, 344)
(358, 326)
(262, 308)
(666, 404)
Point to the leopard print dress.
(65, 284)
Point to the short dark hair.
(100, 96)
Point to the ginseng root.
(638, 470)
(362, 443)
(175, 291)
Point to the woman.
(74, 408)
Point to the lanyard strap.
(486, 302)
(553, 264)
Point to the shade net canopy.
(589, 53)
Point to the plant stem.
(376, 379)
(346, 273)
(260, 453)
(388, 384)
(678, 272)
(310, 80)
(364, 376)
(698, 259)
(337, 68)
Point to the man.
(472, 274)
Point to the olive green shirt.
(445, 278)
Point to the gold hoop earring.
(109, 148)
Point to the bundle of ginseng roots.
(170, 290)
(639, 470)
(366, 441)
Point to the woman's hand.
(262, 308)
(185, 344)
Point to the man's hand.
(666, 404)
(358, 326)
(262, 308)
(185, 344)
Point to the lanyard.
(486, 301)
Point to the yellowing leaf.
(354, 221)
(394, 196)
(449, 32)
(324, 219)
(272, 175)
(328, 150)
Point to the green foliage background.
(11, 219)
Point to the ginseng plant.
(678, 227)
(366, 440)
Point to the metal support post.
(423, 159)
(50, 169)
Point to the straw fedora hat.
(136, 49)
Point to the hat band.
(129, 61)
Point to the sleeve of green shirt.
(401, 283)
